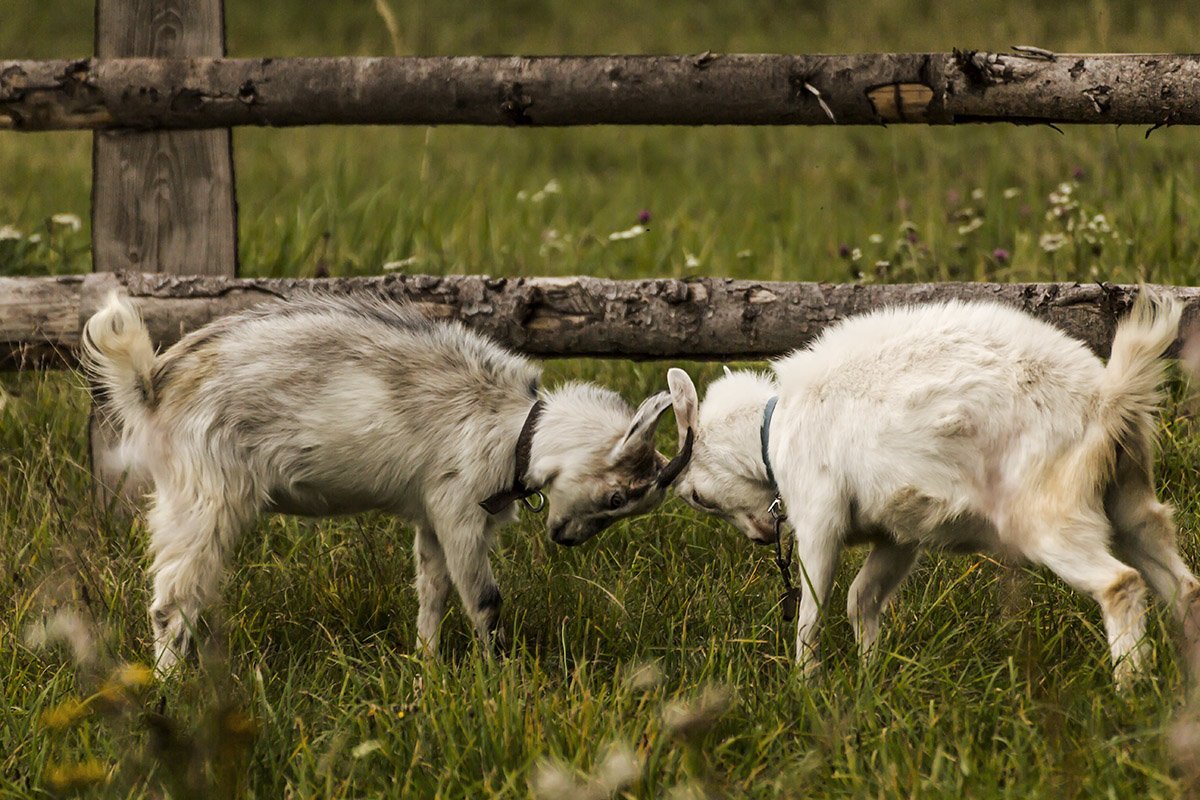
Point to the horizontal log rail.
(1025, 86)
(703, 318)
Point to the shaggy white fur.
(963, 426)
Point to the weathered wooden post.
(162, 201)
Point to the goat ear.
(685, 400)
(639, 435)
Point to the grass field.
(992, 681)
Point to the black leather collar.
(518, 491)
(764, 435)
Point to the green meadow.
(652, 662)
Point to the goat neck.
(519, 489)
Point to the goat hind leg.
(1077, 551)
(189, 540)
(886, 566)
(1145, 539)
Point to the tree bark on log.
(1027, 86)
(698, 319)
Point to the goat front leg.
(465, 544)
(433, 585)
(818, 545)
(887, 565)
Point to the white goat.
(951, 426)
(336, 405)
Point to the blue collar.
(764, 434)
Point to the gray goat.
(329, 405)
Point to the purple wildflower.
(644, 216)
(1000, 255)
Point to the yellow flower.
(69, 777)
(132, 676)
(65, 714)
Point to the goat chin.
(328, 405)
(959, 426)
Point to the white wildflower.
(553, 242)
(1061, 196)
(1051, 241)
(977, 194)
(875, 238)
(9, 232)
(65, 626)
(618, 768)
(552, 781)
(644, 677)
(690, 261)
(522, 196)
(693, 720)
(631, 233)
(974, 224)
(35, 238)
(67, 220)
(365, 748)
(744, 254)
(1010, 192)
(855, 254)
(552, 187)
(403, 263)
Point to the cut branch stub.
(901, 102)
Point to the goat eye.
(698, 501)
(616, 500)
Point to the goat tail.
(119, 359)
(1129, 388)
(1129, 394)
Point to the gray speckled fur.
(332, 405)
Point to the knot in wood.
(514, 104)
(248, 93)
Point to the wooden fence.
(161, 97)
(701, 318)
